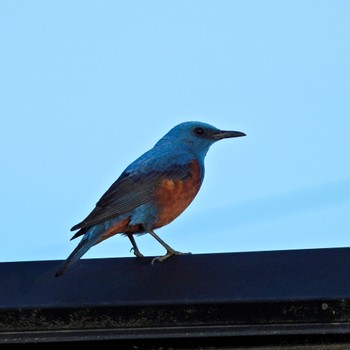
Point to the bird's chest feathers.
(174, 195)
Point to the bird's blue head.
(197, 136)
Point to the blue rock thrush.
(152, 191)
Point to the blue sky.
(88, 86)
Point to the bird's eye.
(199, 131)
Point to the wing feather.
(129, 191)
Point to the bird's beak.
(222, 134)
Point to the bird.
(151, 192)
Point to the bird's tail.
(88, 240)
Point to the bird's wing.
(129, 191)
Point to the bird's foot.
(136, 252)
(168, 255)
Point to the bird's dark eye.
(199, 131)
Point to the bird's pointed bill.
(224, 134)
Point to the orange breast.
(174, 196)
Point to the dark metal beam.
(280, 293)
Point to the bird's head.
(198, 136)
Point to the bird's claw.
(168, 255)
(136, 252)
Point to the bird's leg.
(169, 251)
(134, 246)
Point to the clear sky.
(88, 86)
